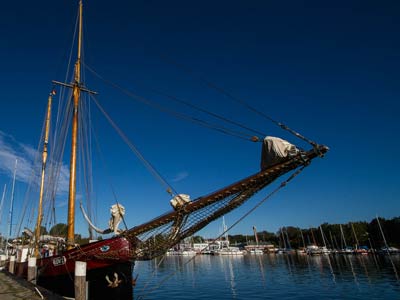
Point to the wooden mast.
(76, 91)
(77, 88)
(44, 160)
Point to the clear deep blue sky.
(328, 70)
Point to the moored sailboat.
(110, 261)
(224, 245)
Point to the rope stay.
(251, 108)
(134, 149)
(236, 99)
(178, 115)
(103, 162)
(217, 116)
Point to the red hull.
(104, 259)
(97, 255)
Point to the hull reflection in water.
(269, 277)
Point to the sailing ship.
(110, 262)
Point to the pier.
(13, 288)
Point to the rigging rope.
(237, 99)
(32, 181)
(60, 134)
(107, 174)
(282, 185)
(147, 164)
(182, 116)
(222, 118)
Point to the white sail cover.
(179, 200)
(276, 150)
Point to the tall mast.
(344, 240)
(10, 215)
(1, 205)
(355, 235)
(283, 239)
(313, 237)
(383, 235)
(76, 91)
(323, 236)
(255, 234)
(77, 88)
(288, 240)
(302, 238)
(44, 160)
(2, 201)
(224, 228)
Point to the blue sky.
(328, 70)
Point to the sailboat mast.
(10, 215)
(344, 240)
(224, 228)
(2, 201)
(74, 142)
(44, 160)
(283, 239)
(355, 235)
(302, 238)
(255, 234)
(323, 236)
(383, 235)
(313, 237)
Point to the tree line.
(335, 235)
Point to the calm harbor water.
(269, 277)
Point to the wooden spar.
(10, 213)
(77, 88)
(251, 185)
(74, 142)
(44, 160)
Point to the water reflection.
(270, 276)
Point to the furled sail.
(275, 150)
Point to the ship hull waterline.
(108, 273)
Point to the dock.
(14, 288)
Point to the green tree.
(43, 230)
(59, 229)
